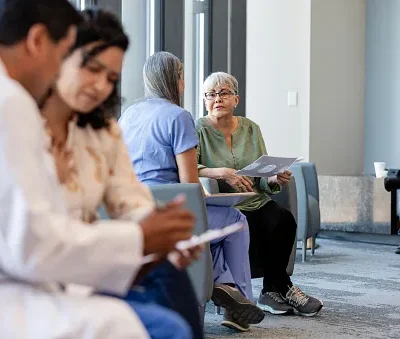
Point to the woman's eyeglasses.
(224, 94)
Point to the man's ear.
(36, 40)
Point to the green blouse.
(247, 146)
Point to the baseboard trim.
(381, 239)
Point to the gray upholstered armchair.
(201, 271)
(309, 220)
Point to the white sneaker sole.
(234, 326)
(269, 309)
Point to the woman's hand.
(281, 178)
(182, 259)
(239, 182)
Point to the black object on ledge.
(392, 184)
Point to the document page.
(266, 166)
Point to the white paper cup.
(380, 169)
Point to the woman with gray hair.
(228, 143)
(162, 143)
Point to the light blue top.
(155, 131)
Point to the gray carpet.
(359, 284)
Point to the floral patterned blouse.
(103, 174)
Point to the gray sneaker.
(303, 303)
(231, 322)
(239, 306)
(272, 302)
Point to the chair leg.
(304, 250)
(202, 311)
(217, 310)
(313, 245)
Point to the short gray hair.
(161, 74)
(221, 79)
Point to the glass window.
(83, 4)
(182, 28)
(197, 53)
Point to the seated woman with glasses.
(226, 144)
(162, 143)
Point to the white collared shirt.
(39, 243)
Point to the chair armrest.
(311, 179)
(302, 202)
(211, 185)
(201, 271)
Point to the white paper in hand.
(208, 236)
(198, 240)
(266, 166)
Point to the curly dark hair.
(100, 26)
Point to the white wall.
(382, 100)
(278, 60)
(134, 21)
(337, 86)
(317, 48)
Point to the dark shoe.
(272, 302)
(231, 322)
(302, 303)
(398, 250)
(244, 311)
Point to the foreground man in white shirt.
(40, 247)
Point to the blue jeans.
(160, 322)
(172, 289)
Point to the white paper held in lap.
(227, 199)
(267, 166)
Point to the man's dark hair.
(18, 16)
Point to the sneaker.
(272, 302)
(244, 311)
(302, 303)
(231, 322)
